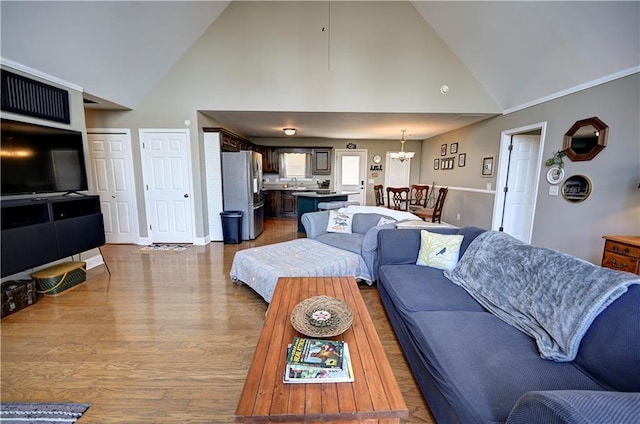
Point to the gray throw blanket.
(549, 295)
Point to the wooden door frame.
(130, 162)
(145, 176)
(501, 175)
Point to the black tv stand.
(74, 192)
(37, 231)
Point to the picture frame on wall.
(454, 148)
(462, 160)
(487, 166)
(443, 150)
(447, 163)
(436, 164)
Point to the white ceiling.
(521, 52)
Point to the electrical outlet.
(458, 217)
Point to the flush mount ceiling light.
(402, 155)
(289, 131)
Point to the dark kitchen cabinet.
(270, 159)
(289, 208)
(273, 204)
(229, 143)
(321, 162)
(281, 204)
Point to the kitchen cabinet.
(289, 208)
(229, 143)
(321, 161)
(270, 159)
(273, 203)
(281, 204)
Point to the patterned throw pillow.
(339, 222)
(439, 250)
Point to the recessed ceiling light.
(289, 131)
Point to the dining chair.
(378, 190)
(398, 198)
(419, 194)
(434, 214)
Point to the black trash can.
(231, 226)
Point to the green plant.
(556, 159)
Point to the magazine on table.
(302, 373)
(316, 352)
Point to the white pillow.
(439, 250)
(384, 220)
(339, 222)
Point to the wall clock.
(377, 159)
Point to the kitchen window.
(295, 165)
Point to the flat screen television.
(37, 159)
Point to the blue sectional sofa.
(363, 240)
(473, 367)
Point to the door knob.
(186, 195)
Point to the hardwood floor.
(167, 338)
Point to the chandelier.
(402, 155)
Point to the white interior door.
(166, 172)
(351, 173)
(518, 171)
(111, 163)
(397, 173)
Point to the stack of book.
(318, 361)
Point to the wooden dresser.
(622, 253)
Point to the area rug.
(41, 413)
(165, 248)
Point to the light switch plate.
(554, 190)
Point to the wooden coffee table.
(374, 395)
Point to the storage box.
(58, 278)
(17, 295)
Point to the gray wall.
(273, 56)
(243, 62)
(575, 228)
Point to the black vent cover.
(29, 97)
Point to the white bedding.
(397, 215)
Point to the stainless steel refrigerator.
(242, 189)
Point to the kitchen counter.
(323, 195)
(308, 202)
(280, 188)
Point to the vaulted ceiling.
(520, 52)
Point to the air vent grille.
(29, 97)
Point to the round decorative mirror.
(585, 139)
(576, 188)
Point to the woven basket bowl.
(321, 316)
